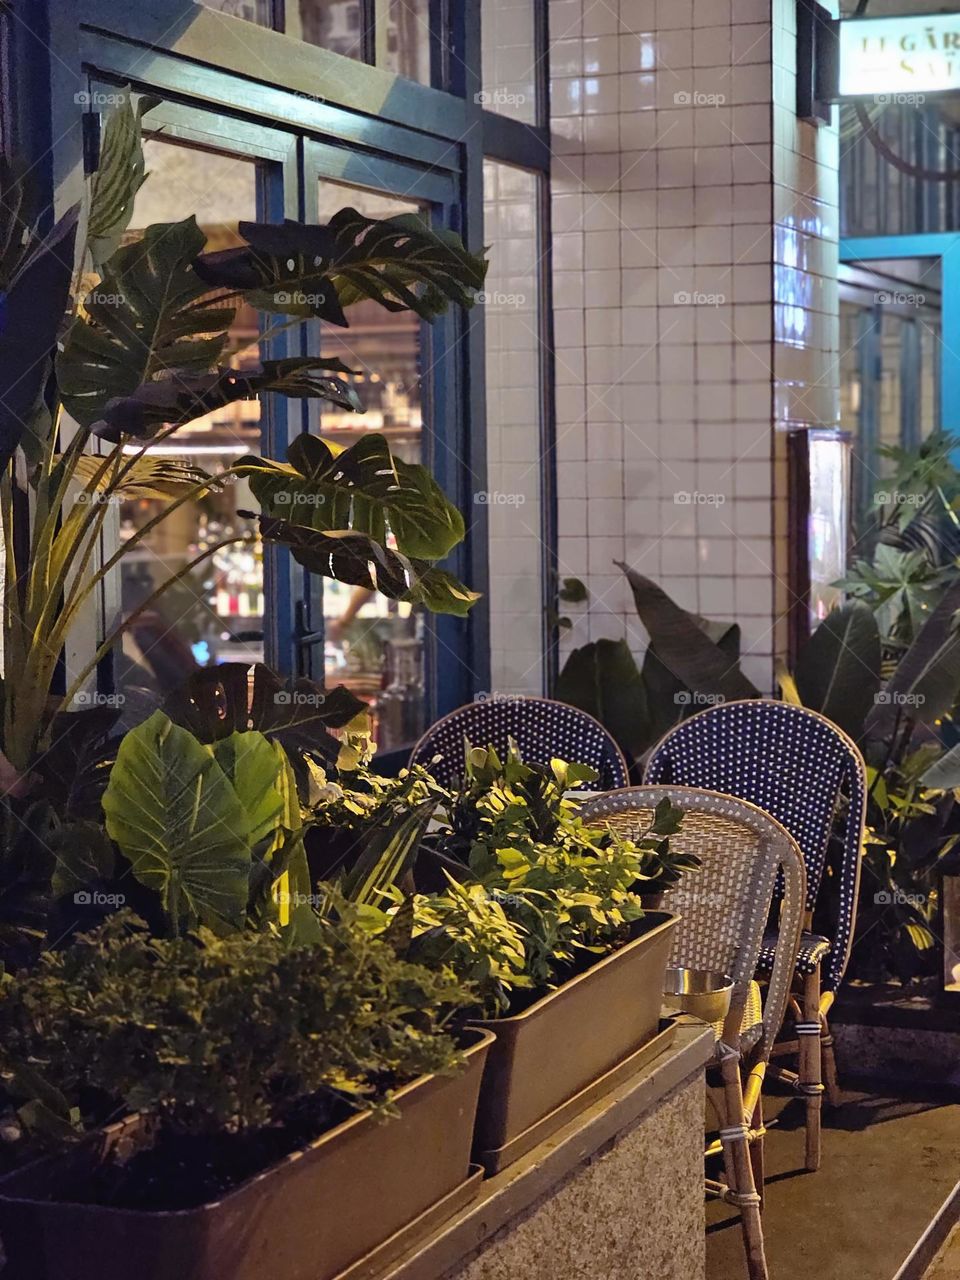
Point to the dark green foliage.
(207, 1035)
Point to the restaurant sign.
(912, 55)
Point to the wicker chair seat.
(813, 949)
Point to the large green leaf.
(363, 490)
(683, 647)
(400, 262)
(179, 822)
(337, 510)
(944, 774)
(146, 319)
(388, 854)
(838, 672)
(602, 679)
(926, 682)
(186, 397)
(118, 177)
(35, 276)
(250, 762)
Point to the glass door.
(216, 611)
(385, 651)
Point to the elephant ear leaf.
(838, 672)
(147, 320)
(927, 680)
(684, 647)
(602, 679)
(944, 774)
(118, 177)
(250, 762)
(177, 819)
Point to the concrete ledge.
(630, 1167)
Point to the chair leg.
(756, 1151)
(810, 1082)
(742, 1189)
(829, 1062)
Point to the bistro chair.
(723, 911)
(796, 765)
(542, 729)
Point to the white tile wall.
(695, 298)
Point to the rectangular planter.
(565, 1041)
(314, 1215)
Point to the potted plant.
(111, 345)
(542, 915)
(256, 1073)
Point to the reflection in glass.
(215, 614)
(829, 463)
(258, 11)
(514, 461)
(404, 47)
(375, 645)
(509, 58)
(336, 25)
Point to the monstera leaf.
(147, 319)
(360, 490)
(177, 819)
(336, 510)
(400, 262)
(118, 177)
(178, 400)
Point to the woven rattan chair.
(541, 727)
(796, 765)
(723, 911)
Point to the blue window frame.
(303, 111)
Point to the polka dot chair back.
(791, 762)
(542, 728)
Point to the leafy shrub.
(207, 1035)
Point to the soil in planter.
(184, 1171)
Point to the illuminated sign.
(906, 55)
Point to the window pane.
(375, 645)
(405, 46)
(509, 58)
(333, 24)
(513, 428)
(258, 11)
(215, 614)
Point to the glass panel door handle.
(304, 640)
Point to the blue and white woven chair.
(542, 729)
(723, 908)
(796, 765)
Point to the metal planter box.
(317, 1214)
(566, 1041)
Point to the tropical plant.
(690, 662)
(139, 357)
(142, 330)
(233, 1051)
(529, 860)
